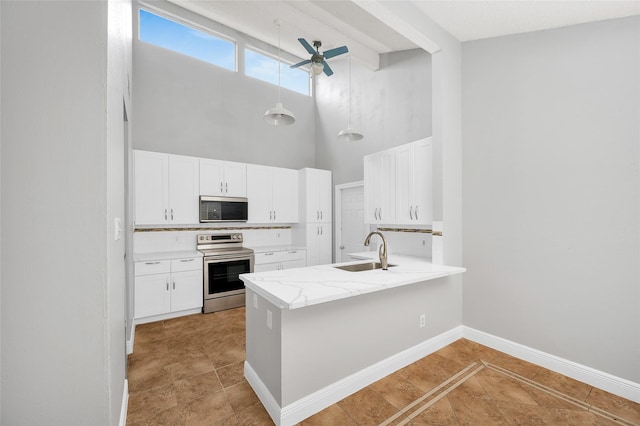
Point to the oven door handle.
(226, 258)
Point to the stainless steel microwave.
(223, 209)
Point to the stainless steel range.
(224, 260)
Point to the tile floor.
(189, 371)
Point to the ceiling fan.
(318, 60)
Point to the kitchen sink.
(359, 267)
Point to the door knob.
(341, 247)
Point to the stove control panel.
(219, 238)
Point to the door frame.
(336, 214)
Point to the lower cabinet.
(278, 260)
(167, 286)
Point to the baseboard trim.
(319, 400)
(599, 379)
(132, 335)
(125, 404)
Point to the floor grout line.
(567, 398)
(428, 394)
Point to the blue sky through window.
(171, 35)
(265, 68)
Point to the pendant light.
(349, 134)
(279, 116)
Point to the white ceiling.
(343, 22)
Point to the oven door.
(221, 275)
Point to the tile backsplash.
(178, 240)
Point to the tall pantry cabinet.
(315, 229)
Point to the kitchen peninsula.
(317, 334)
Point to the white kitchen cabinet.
(223, 178)
(277, 260)
(273, 194)
(414, 187)
(315, 195)
(380, 187)
(164, 288)
(166, 188)
(318, 242)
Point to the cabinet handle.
(270, 214)
(174, 284)
(321, 230)
(411, 212)
(226, 187)
(171, 214)
(165, 214)
(185, 260)
(416, 212)
(221, 190)
(293, 252)
(320, 214)
(380, 213)
(375, 213)
(274, 215)
(268, 254)
(151, 263)
(167, 285)
(317, 230)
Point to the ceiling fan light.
(349, 135)
(317, 68)
(279, 116)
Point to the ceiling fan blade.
(335, 52)
(307, 46)
(299, 64)
(327, 69)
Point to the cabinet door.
(312, 234)
(211, 177)
(293, 264)
(264, 267)
(152, 295)
(324, 195)
(387, 185)
(186, 290)
(285, 195)
(404, 184)
(423, 182)
(151, 193)
(184, 184)
(259, 191)
(324, 244)
(235, 179)
(371, 198)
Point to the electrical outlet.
(255, 301)
(269, 319)
(423, 320)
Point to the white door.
(351, 229)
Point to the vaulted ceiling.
(344, 22)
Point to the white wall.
(551, 192)
(185, 106)
(390, 107)
(59, 291)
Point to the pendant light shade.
(279, 116)
(349, 134)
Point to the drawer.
(293, 255)
(267, 257)
(151, 267)
(186, 264)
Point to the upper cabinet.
(399, 185)
(380, 187)
(315, 196)
(223, 178)
(166, 188)
(414, 183)
(272, 194)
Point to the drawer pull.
(187, 260)
(293, 252)
(268, 254)
(151, 263)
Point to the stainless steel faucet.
(382, 251)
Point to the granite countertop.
(300, 287)
(165, 255)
